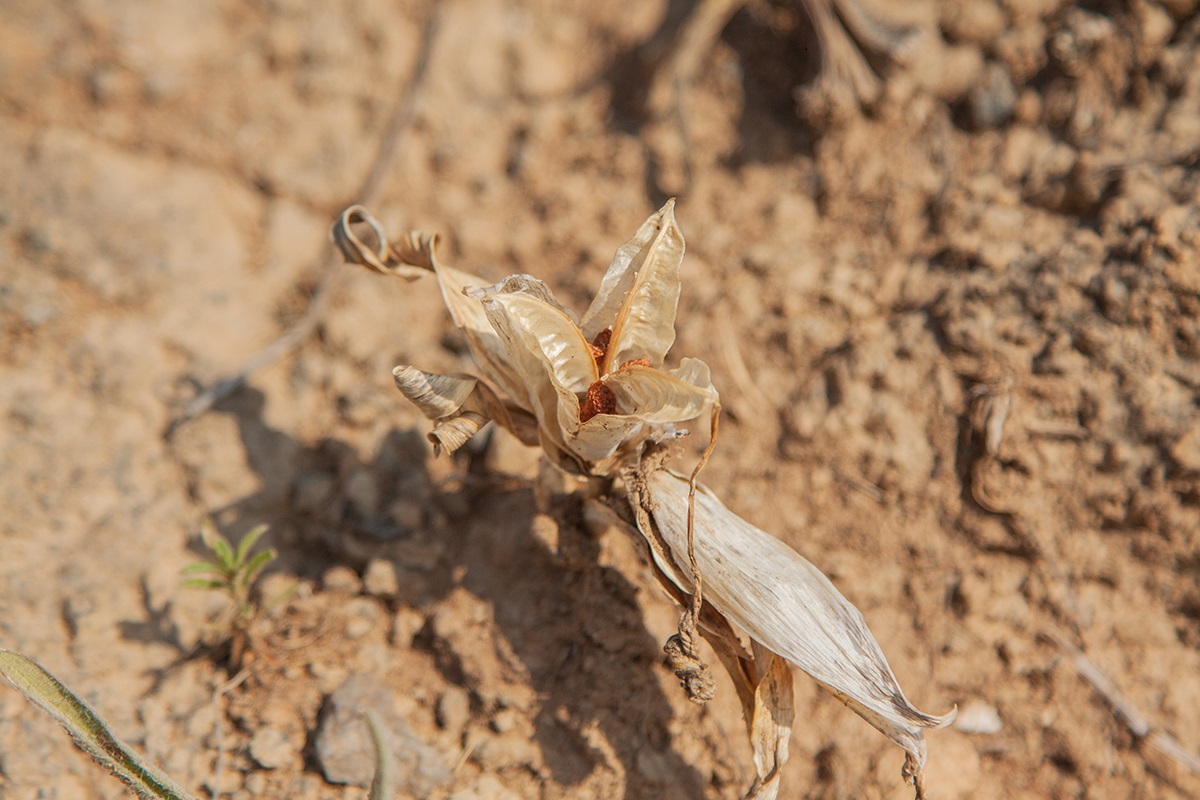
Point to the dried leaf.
(619, 278)
(453, 432)
(524, 320)
(436, 395)
(644, 326)
(770, 722)
(786, 604)
(660, 397)
(410, 258)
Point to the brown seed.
(599, 400)
(599, 345)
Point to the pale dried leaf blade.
(86, 728)
(542, 327)
(770, 722)
(469, 315)
(645, 323)
(619, 278)
(599, 437)
(659, 397)
(786, 604)
(535, 288)
(551, 402)
(435, 395)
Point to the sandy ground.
(1009, 233)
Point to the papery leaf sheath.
(786, 604)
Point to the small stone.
(328, 675)
(380, 579)
(346, 754)
(406, 624)
(362, 614)
(505, 721)
(978, 717)
(257, 783)
(271, 748)
(545, 530)
(504, 752)
(1186, 451)
(991, 100)
(362, 490)
(453, 709)
(341, 579)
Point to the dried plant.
(595, 395)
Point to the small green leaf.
(257, 563)
(224, 553)
(86, 728)
(248, 541)
(204, 583)
(203, 567)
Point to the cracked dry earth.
(956, 336)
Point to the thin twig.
(389, 148)
(697, 589)
(1124, 710)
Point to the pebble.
(991, 100)
(505, 751)
(380, 578)
(362, 613)
(978, 717)
(271, 748)
(406, 624)
(505, 721)
(1186, 450)
(453, 709)
(346, 754)
(341, 579)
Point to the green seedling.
(232, 571)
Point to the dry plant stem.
(1125, 711)
(683, 648)
(697, 580)
(385, 160)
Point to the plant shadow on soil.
(574, 624)
(773, 57)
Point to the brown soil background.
(861, 287)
